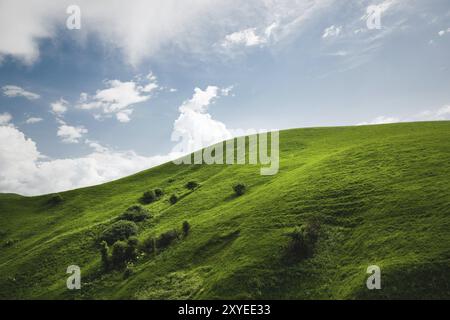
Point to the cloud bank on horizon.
(74, 105)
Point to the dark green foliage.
(104, 255)
(10, 242)
(119, 254)
(149, 245)
(129, 271)
(131, 251)
(119, 230)
(135, 213)
(239, 189)
(55, 200)
(166, 238)
(186, 228)
(173, 199)
(159, 193)
(148, 197)
(192, 185)
(303, 239)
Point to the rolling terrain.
(381, 195)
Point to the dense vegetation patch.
(120, 230)
(135, 213)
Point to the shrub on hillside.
(149, 245)
(120, 230)
(135, 213)
(104, 255)
(55, 200)
(186, 228)
(192, 185)
(118, 254)
(148, 197)
(239, 189)
(304, 238)
(173, 199)
(159, 193)
(166, 238)
(131, 251)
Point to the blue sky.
(81, 107)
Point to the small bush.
(192, 185)
(10, 242)
(159, 193)
(173, 199)
(148, 197)
(129, 271)
(120, 230)
(104, 255)
(118, 254)
(239, 189)
(149, 245)
(304, 238)
(131, 251)
(166, 238)
(186, 228)
(135, 213)
(55, 200)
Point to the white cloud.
(24, 170)
(119, 97)
(33, 120)
(59, 107)
(145, 28)
(124, 115)
(443, 32)
(195, 127)
(70, 134)
(332, 31)
(247, 37)
(16, 91)
(5, 118)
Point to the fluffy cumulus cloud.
(24, 170)
(195, 128)
(16, 91)
(59, 107)
(118, 97)
(71, 134)
(143, 29)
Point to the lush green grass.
(380, 192)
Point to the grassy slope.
(381, 193)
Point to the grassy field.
(381, 194)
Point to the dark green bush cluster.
(192, 185)
(239, 189)
(120, 230)
(164, 240)
(186, 228)
(173, 199)
(151, 196)
(122, 252)
(55, 200)
(135, 213)
(304, 238)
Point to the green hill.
(380, 193)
